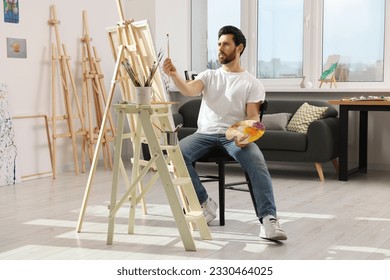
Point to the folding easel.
(60, 60)
(332, 80)
(94, 98)
(134, 43)
(328, 76)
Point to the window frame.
(312, 48)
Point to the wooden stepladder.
(61, 61)
(166, 158)
(95, 98)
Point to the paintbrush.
(168, 52)
(169, 56)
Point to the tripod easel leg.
(99, 140)
(117, 161)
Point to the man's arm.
(253, 111)
(193, 88)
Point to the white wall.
(171, 17)
(141, 10)
(29, 80)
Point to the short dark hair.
(238, 37)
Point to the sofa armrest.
(323, 140)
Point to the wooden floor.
(330, 220)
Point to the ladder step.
(142, 162)
(193, 216)
(180, 181)
(168, 147)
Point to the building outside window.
(355, 30)
(219, 15)
(280, 39)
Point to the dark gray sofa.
(319, 145)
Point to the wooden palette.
(247, 130)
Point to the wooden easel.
(332, 80)
(328, 76)
(135, 44)
(94, 98)
(60, 60)
(132, 41)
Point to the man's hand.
(193, 88)
(169, 68)
(238, 141)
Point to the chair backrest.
(291, 106)
(190, 112)
(263, 108)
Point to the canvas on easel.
(328, 75)
(144, 59)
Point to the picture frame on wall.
(11, 11)
(16, 48)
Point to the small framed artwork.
(330, 66)
(11, 11)
(16, 48)
(329, 70)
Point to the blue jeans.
(250, 158)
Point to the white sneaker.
(272, 229)
(209, 208)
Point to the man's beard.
(227, 58)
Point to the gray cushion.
(277, 121)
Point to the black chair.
(218, 156)
(221, 158)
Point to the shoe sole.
(212, 219)
(276, 239)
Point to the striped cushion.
(304, 116)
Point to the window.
(280, 39)
(354, 29)
(288, 39)
(219, 13)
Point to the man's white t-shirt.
(225, 96)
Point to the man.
(230, 94)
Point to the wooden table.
(363, 106)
